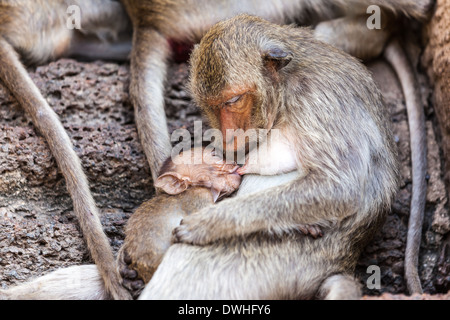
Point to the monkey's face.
(216, 174)
(236, 78)
(237, 114)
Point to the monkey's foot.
(312, 230)
(130, 277)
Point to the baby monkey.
(250, 77)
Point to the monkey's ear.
(276, 59)
(216, 194)
(172, 183)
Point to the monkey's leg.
(340, 287)
(256, 269)
(73, 283)
(148, 72)
(349, 34)
(17, 80)
(105, 18)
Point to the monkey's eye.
(233, 100)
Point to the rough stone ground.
(38, 231)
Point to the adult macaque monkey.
(159, 23)
(162, 23)
(247, 74)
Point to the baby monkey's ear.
(216, 194)
(172, 182)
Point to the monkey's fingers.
(175, 235)
(129, 274)
(242, 170)
(303, 229)
(126, 258)
(125, 269)
(315, 231)
(184, 234)
(312, 230)
(130, 277)
(226, 167)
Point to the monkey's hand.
(312, 230)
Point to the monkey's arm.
(17, 80)
(309, 201)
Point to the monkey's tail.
(395, 55)
(73, 283)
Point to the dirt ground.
(39, 233)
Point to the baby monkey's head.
(199, 167)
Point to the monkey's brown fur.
(195, 186)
